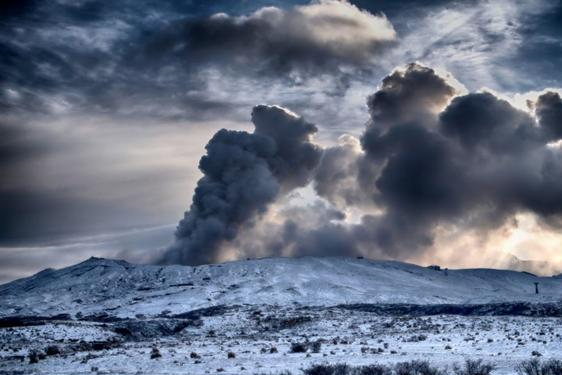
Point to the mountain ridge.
(99, 285)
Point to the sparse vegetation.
(404, 368)
(416, 368)
(474, 367)
(33, 357)
(299, 347)
(303, 347)
(52, 350)
(360, 339)
(155, 353)
(277, 323)
(316, 346)
(416, 338)
(537, 367)
(470, 367)
(337, 369)
(194, 355)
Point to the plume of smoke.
(338, 173)
(432, 156)
(242, 174)
(432, 161)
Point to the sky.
(194, 131)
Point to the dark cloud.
(16, 8)
(41, 216)
(409, 95)
(410, 171)
(485, 121)
(417, 178)
(77, 56)
(305, 39)
(295, 155)
(549, 112)
(165, 59)
(19, 143)
(470, 162)
(243, 174)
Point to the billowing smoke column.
(243, 174)
(431, 156)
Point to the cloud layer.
(304, 39)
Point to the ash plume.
(432, 158)
(243, 174)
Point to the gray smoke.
(429, 157)
(243, 174)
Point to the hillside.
(122, 289)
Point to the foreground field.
(269, 340)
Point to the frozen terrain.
(103, 285)
(110, 316)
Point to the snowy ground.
(261, 339)
(123, 289)
(113, 315)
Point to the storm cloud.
(303, 39)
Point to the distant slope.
(534, 266)
(123, 289)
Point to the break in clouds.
(431, 156)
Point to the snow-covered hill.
(122, 289)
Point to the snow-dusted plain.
(110, 316)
